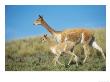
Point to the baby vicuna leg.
(75, 58)
(55, 60)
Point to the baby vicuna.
(57, 49)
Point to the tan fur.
(75, 35)
(72, 34)
(41, 21)
(57, 49)
(83, 36)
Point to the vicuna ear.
(45, 35)
(40, 16)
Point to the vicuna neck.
(52, 31)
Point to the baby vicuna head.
(48, 40)
(44, 38)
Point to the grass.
(32, 55)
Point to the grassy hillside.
(32, 55)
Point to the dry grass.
(31, 55)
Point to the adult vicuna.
(58, 49)
(82, 36)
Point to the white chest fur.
(57, 37)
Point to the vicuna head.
(38, 21)
(44, 38)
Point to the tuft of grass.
(32, 55)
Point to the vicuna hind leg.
(96, 46)
(86, 52)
